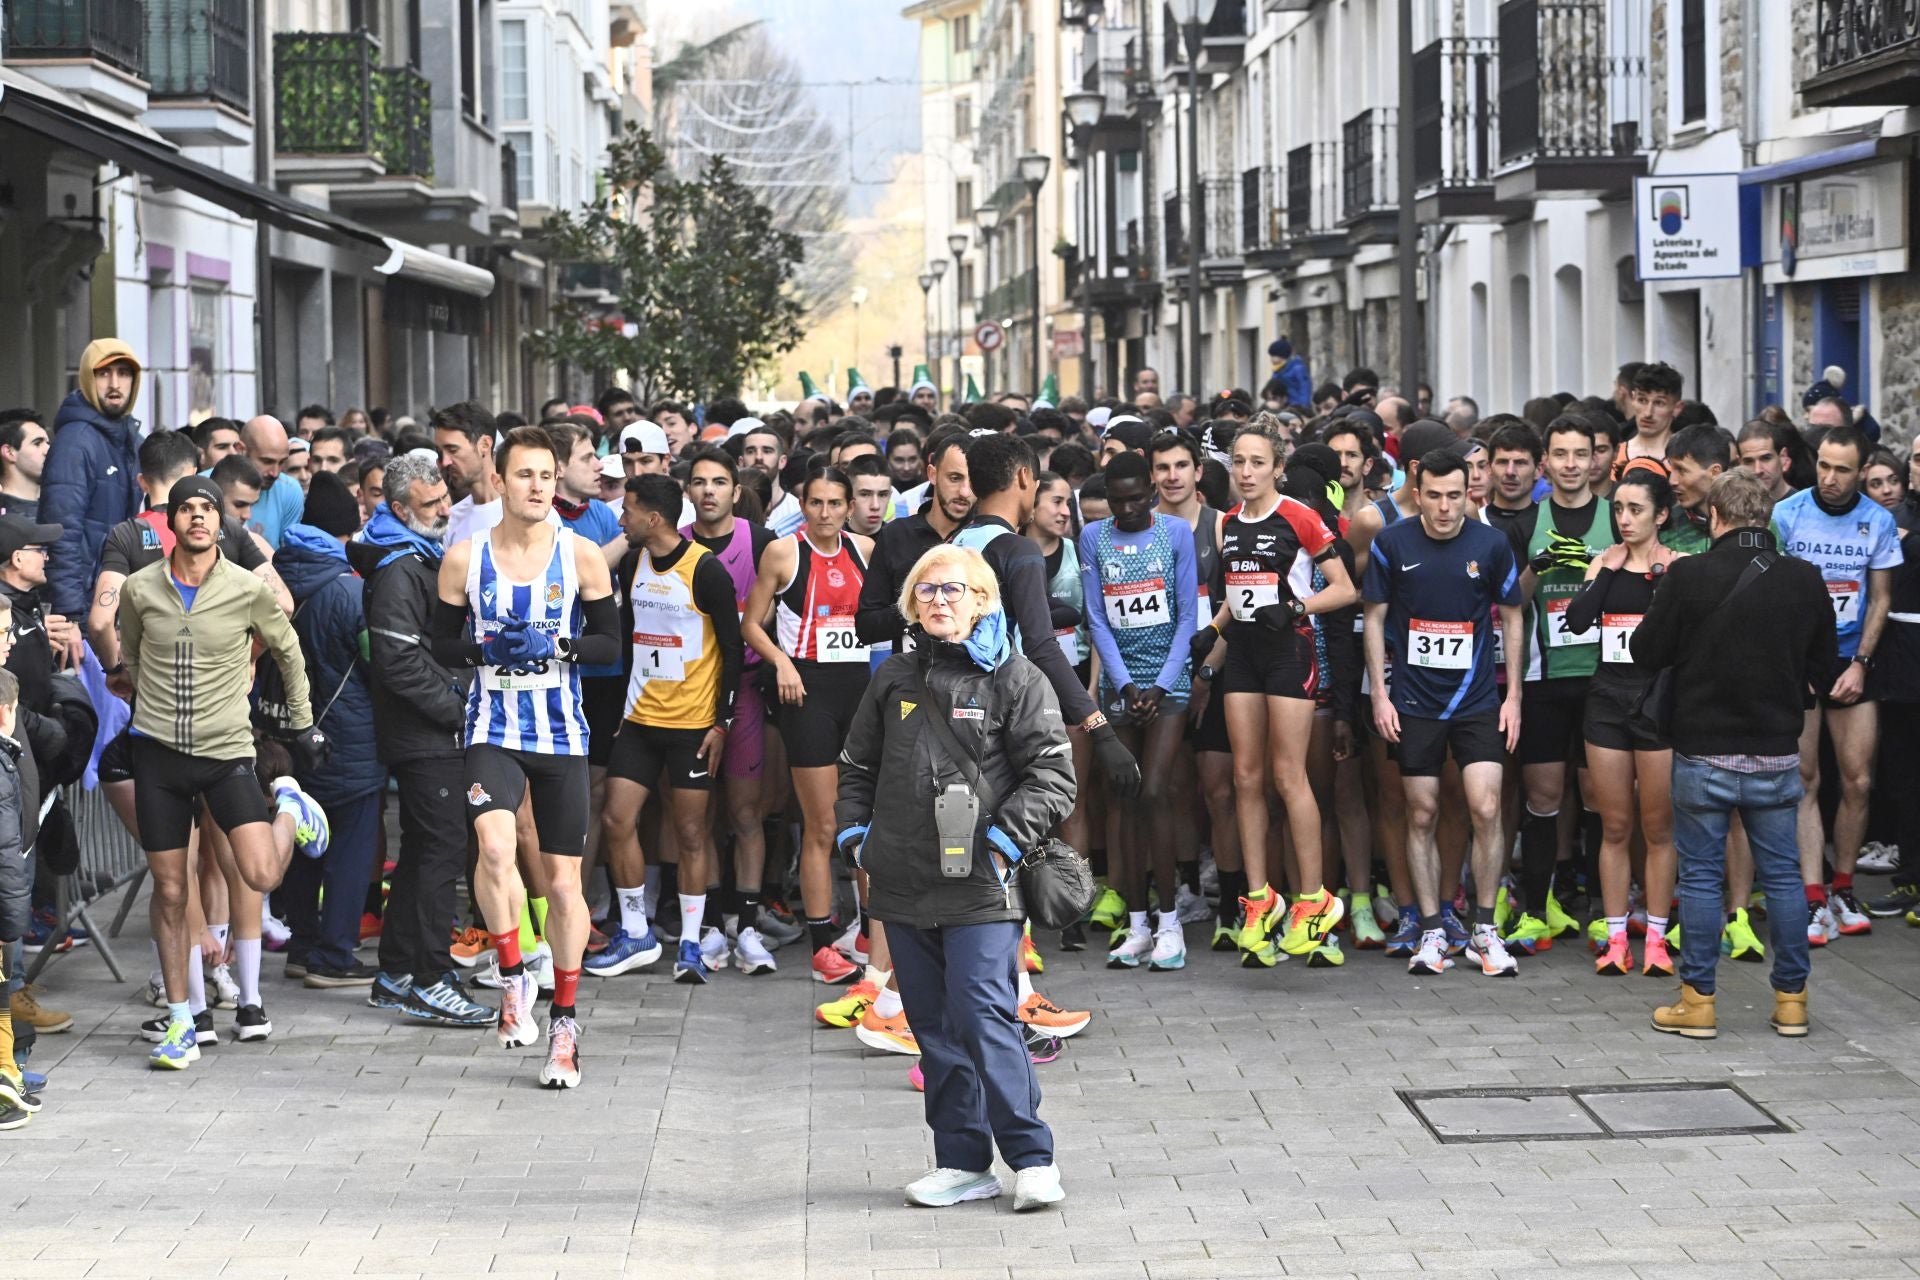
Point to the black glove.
(1201, 646)
(1063, 615)
(1541, 562)
(1121, 769)
(1279, 617)
(310, 748)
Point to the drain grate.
(1588, 1112)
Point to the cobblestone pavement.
(1214, 1122)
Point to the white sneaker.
(1169, 950)
(540, 965)
(226, 990)
(751, 954)
(1209, 877)
(848, 943)
(157, 992)
(1191, 907)
(1822, 928)
(1486, 948)
(274, 934)
(1847, 914)
(1878, 859)
(1036, 1188)
(713, 948)
(1134, 948)
(1432, 955)
(519, 1026)
(944, 1187)
(488, 974)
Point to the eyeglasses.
(948, 591)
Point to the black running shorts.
(498, 779)
(817, 729)
(171, 785)
(1552, 713)
(1424, 744)
(642, 752)
(1609, 723)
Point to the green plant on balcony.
(332, 98)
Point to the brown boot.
(1691, 1016)
(1790, 1012)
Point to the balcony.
(1573, 99)
(200, 71)
(1013, 81)
(1867, 54)
(1012, 297)
(95, 48)
(1223, 42)
(1112, 63)
(1454, 130)
(1313, 227)
(1263, 232)
(342, 118)
(1369, 177)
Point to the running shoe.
(853, 944)
(444, 1003)
(1327, 955)
(1597, 935)
(1043, 1048)
(14, 1093)
(1902, 898)
(1503, 911)
(917, 1078)
(596, 940)
(226, 992)
(323, 977)
(517, 1025)
(1225, 937)
(1190, 907)
(1037, 1011)
(562, 1068)
(1133, 949)
(1616, 959)
(26, 1007)
(296, 966)
(1846, 911)
(777, 932)
(1405, 939)
(830, 966)
(40, 933)
(713, 948)
(1454, 927)
(1486, 949)
(154, 1030)
(1878, 859)
(751, 954)
(945, 1187)
(370, 926)
(1738, 941)
(1431, 955)
(1559, 923)
(1821, 926)
(1657, 958)
(624, 954)
(539, 962)
(1264, 956)
(1037, 1187)
(311, 834)
(488, 975)
(1367, 934)
(848, 1009)
(156, 993)
(1169, 951)
(1029, 954)
(251, 1023)
(1386, 913)
(1530, 934)
(470, 947)
(274, 934)
(1258, 919)
(690, 964)
(389, 990)
(178, 1046)
(1109, 909)
(889, 1035)
(1310, 921)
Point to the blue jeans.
(1704, 801)
(959, 988)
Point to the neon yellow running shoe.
(1530, 934)
(1738, 941)
(1109, 909)
(1258, 917)
(1327, 955)
(1558, 922)
(1367, 934)
(1310, 922)
(1503, 910)
(1597, 934)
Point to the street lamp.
(957, 245)
(1193, 17)
(985, 217)
(1033, 172)
(926, 313)
(1084, 109)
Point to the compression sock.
(246, 969)
(1817, 895)
(820, 933)
(633, 911)
(506, 948)
(566, 983)
(1538, 837)
(196, 981)
(1843, 882)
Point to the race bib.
(1445, 646)
(659, 657)
(1616, 636)
(1205, 605)
(835, 641)
(1133, 605)
(1845, 598)
(1247, 592)
(534, 675)
(1069, 645)
(1558, 637)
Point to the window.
(962, 29)
(1693, 60)
(963, 117)
(203, 349)
(966, 281)
(522, 164)
(513, 71)
(963, 200)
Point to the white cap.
(298, 444)
(425, 455)
(613, 467)
(644, 437)
(744, 427)
(1097, 418)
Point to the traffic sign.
(988, 336)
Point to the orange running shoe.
(1309, 921)
(1658, 956)
(830, 966)
(1037, 1011)
(470, 947)
(889, 1035)
(1616, 959)
(1257, 918)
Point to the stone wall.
(1896, 332)
(1657, 73)
(1323, 332)
(1798, 375)
(1805, 49)
(1733, 63)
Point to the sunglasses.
(924, 592)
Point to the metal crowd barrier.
(110, 858)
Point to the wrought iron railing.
(1573, 80)
(1112, 61)
(1367, 173)
(198, 49)
(332, 97)
(1312, 189)
(109, 31)
(1849, 30)
(1453, 126)
(1012, 296)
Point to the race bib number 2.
(1558, 637)
(1444, 646)
(1248, 592)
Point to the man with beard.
(93, 468)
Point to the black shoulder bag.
(1056, 883)
(1653, 713)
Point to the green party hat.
(923, 377)
(810, 392)
(1049, 393)
(856, 384)
(973, 391)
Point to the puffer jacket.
(16, 857)
(419, 706)
(91, 481)
(1001, 708)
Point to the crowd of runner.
(1352, 675)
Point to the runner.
(187, 627)
(810, 585)
(1763, 450)
(1855, 543)
(1052, 530)
(528, 604)
(1431, 586)
(872, 494)
(679, 708)
(1654, 391)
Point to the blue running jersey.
(1440, 597)
(1844, 548)
(1141, 593)
(537, 710)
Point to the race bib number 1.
(1444, 646)
(659, 657)
(1616, 636)
(1247, 592)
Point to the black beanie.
(330, 506)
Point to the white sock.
(693, 909)
(219, 932)
(878, 977)
(1169, 922)
(888, 1005)
(652, 889)
(633, 910)
(196, 983)
(266, 911)
(246, 969)
(1137, 923)
(1026, 986)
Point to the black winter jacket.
(892, 769)
(16, 855)
(418, 704)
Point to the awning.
(52, 114)
(1853, 153)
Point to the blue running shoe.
(311, 833)
(33, 1081)
(445, 1003)
(1457, 936)
(689, 965)
(390, 990)
(625, 953)
(1405, 939)
(177, 1050)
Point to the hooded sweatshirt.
(92, 477)
(333, 639)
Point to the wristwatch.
(1297, 608)
(1206, 673)
(1864, 659)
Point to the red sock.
(565, 983)
(506, 947)
(1843, 882)
(1817, 895)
